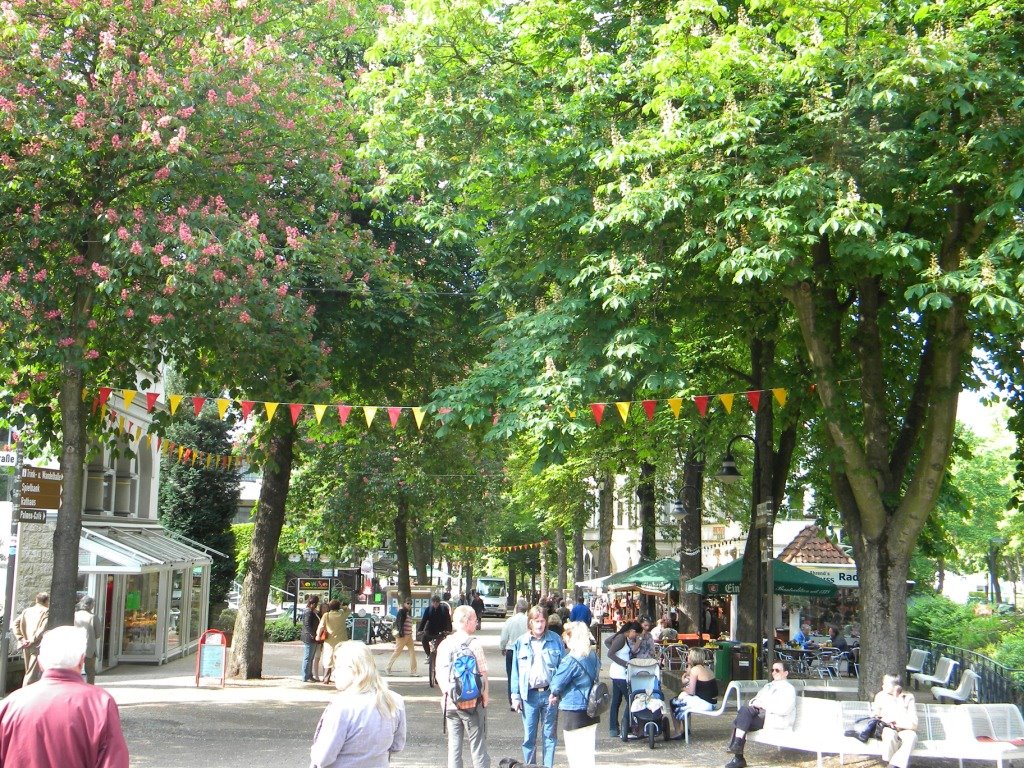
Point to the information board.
(211, 658)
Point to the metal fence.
(997, 683)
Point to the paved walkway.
(269, 723)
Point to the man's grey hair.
(462, 615)
(522, 605)
(63, 648)
(86, 603)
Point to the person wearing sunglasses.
(774, 706)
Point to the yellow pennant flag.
(103, 414)
(173, 401)
(418, 413)
(128, 395)
(138, 434)
(623, 409)
(209, 459)
(675, 403)
(120, 423)
(319, 409)
(780, 395)
(222, 406)
(271, 410)
(571, 412)
(369, 411)
(726, 402)
(181, 451)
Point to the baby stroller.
(648, 713)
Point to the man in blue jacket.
(535, 657)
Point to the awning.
(134, 550)
(788, 579)
(658, 576)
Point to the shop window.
(175, 618)
(141, 609)
(196, 605)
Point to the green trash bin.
(723, 661)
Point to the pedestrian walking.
(333, 628)
(514, 627)
(774, 706)
(365, 724)
(85, 619)
(577, 672)
(464, 717)
(535, 657)
(61, 721)
(405, 638)
(477, 604)
(310, 623)
(580, 612)
(28, 632)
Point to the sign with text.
(8, 458)
(41, 488)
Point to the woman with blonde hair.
(570, 687)
(363, 725)
(700, 688)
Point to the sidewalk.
(269, 723)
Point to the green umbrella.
(789, 580)
(658, 575)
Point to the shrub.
(939, 619)
(282, 630)
(226, 621)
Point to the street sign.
(8, 458)
(41, 490)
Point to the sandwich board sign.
(211, 659)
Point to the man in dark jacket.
(435, 622)
(477, 604)
(310, 620)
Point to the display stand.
(211, 656)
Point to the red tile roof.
(810, 546)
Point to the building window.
(141, 609)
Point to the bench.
(945, 668)
(918, 658)
(944, 731)
(962, 693)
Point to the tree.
(199, 501)
(157, 163)
(856, 162)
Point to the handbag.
(321, 634)
(598, 698)
(865, 728)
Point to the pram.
(648, 713)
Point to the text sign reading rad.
(40, 491)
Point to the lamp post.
(729, 474)
(311, 554)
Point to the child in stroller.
(648, 714)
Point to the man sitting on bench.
(774, 706)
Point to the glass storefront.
(175, 620)
(141, 615)
(195, 625)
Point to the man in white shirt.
(461, 719)
(774, 706)
(515, 626)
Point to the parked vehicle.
(494, 591)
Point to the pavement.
(169, 722)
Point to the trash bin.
(742, 661)
(723, 661)
(361, 629)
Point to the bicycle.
(432, 665)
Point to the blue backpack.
(465, 681)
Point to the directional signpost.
(40, 491)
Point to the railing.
(997, 684)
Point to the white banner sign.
(843, 576)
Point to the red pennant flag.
(247, 406)
(598, 410)
(158, 441)
(343, 412)
(754, 398)
(151, 398)
(394, 414)
(197, 404)
(701, 401)
(95, 404)
(649, 406)
(105, 394)
(444, 411)
(296, 409)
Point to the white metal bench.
(915, 664)
(945, 668)
(962, 693)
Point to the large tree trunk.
(402, 548)
(690, 533)
(648, 517)
(543, 572)
(563, 561)
(605, 521)
(64, 579)
(577, 561)
(422, 557)
(247, 646)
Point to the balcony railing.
(997, 682)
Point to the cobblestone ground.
(269, 723)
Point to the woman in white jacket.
(774, 706)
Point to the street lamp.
(311, 554)
(729, 474)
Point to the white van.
(494, 591)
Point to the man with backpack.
(462, 678)
(535, 657)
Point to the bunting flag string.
(507, 548)
(650, 407)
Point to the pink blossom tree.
(173, 178)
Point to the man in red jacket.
(61, 722)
